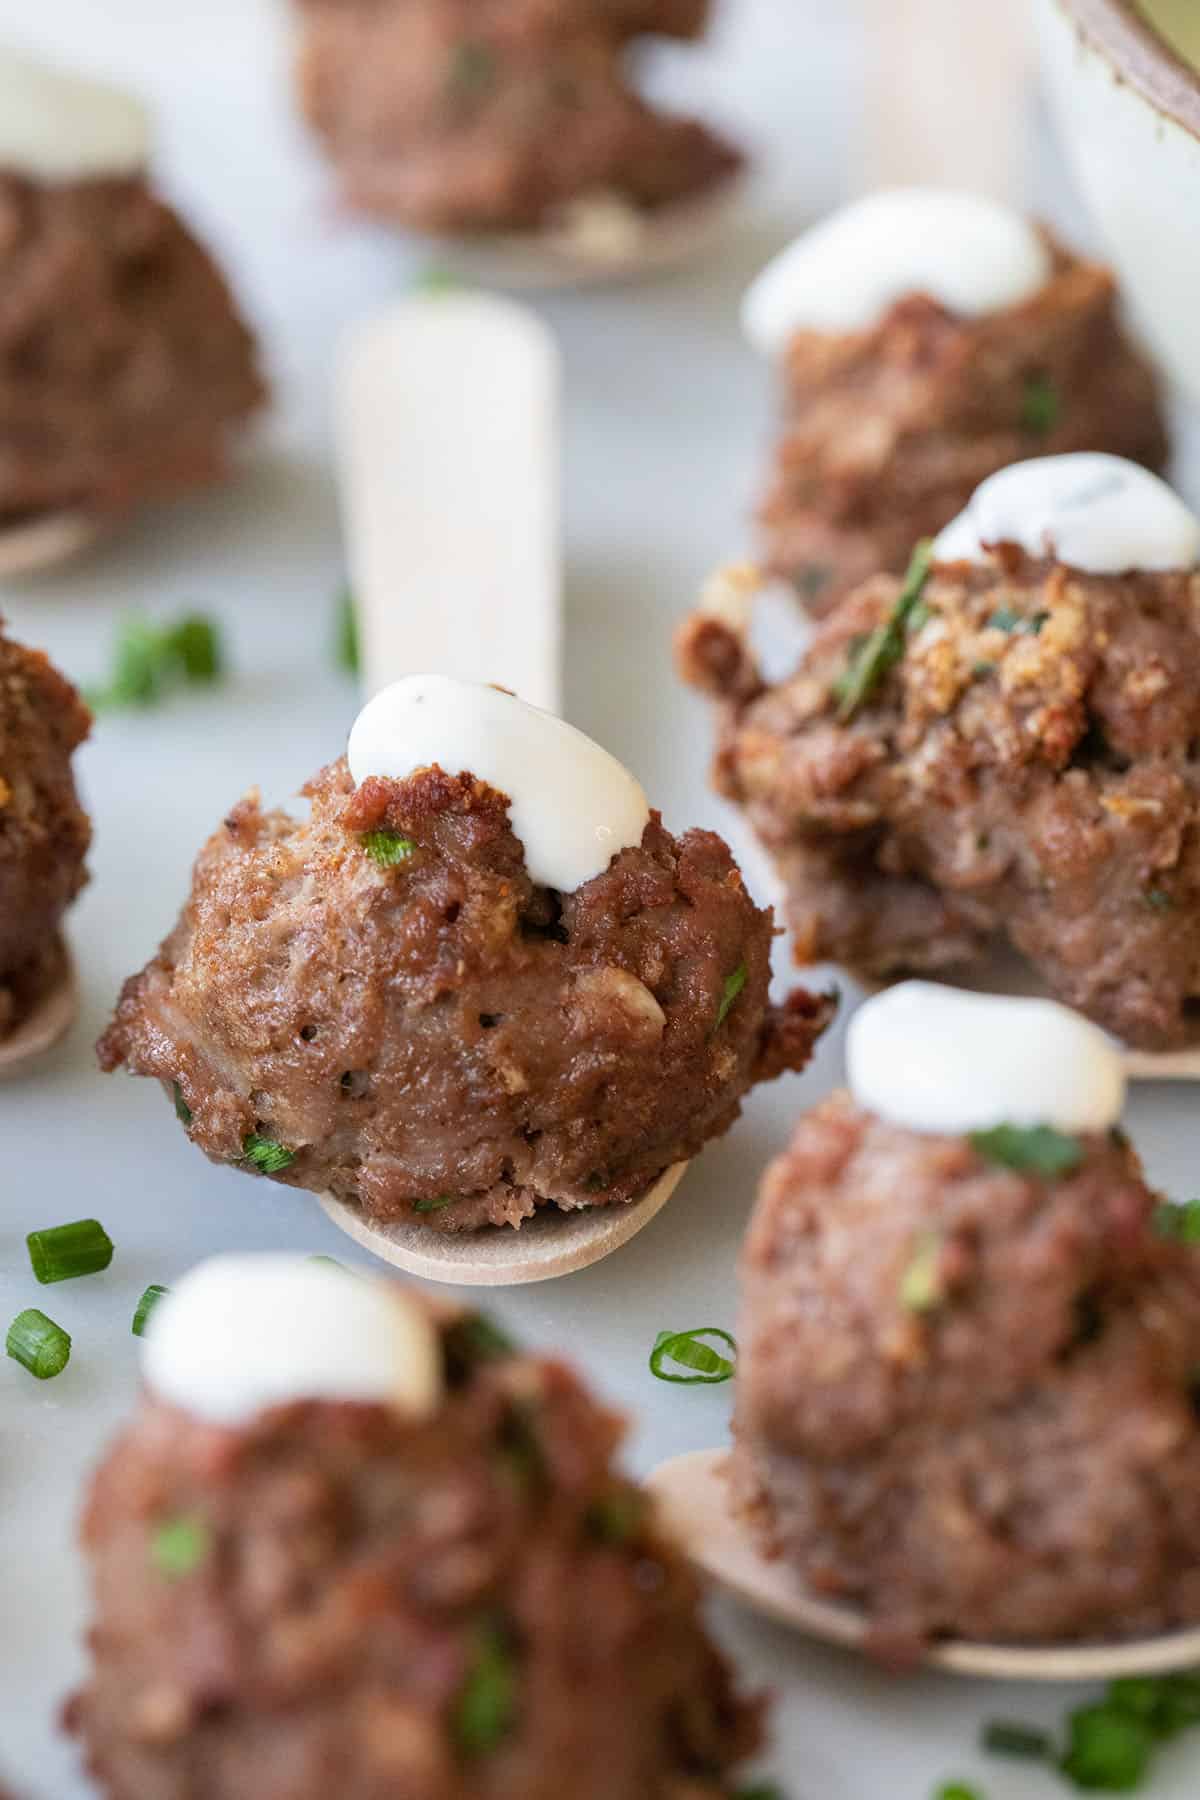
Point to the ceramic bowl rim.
(1127, 39)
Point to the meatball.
(123, 364)
(440, 1040)
(967, 1395)
(44, 832)
(334, 1597)
(888, 431)
(482, 115)
(1020, 762)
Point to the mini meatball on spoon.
(988, 771)
(965, 1430)
(58, 128)
(44, 838)
(515, 141)
(115, 388)
(482, 1002)
(348, 1545)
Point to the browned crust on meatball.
(123, 362)
(888, 432)
(1039, 785)
(1020, 1460)
(442, 1041)
(44, 832)
(489, 115)
(352, 1566)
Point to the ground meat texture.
(123, 364)
(473, 1608)
(1006, 1449)
(888, 432)
(44, 832)
(441, 1041)
(1029, 771)
(485, 115)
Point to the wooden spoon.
(50, 1020)
(448, 437)
(42, 543)
(602, 239)
(692, 1495)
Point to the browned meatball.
(484, 115)
(123, 364)
(471, 1608)
(44, 832)
(966, 1395)
(441, 1041)
(1028, 768)
(888, 432)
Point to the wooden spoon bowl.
(554, 1243)
(43, 543)
(556, 260)
(692, 1496)
(49, 1021)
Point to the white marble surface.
(666, 412)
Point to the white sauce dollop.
(938, 1059)
(60, 127)
(1093, 512)
(240, 1334)
(573, 805)
(969, 253)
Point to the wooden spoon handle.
(448, 434)
(947, 92)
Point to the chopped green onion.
(38, 1344)
(1179, 1223)
(1003, 1738)
(1040, 406)
(433, 280)
(1005, 619)
(883, 648)
(265, 1154)
(196, 645)
(685, 1348)
(618, 1517)
(146, 1306)
(1108, 1749)
(812, 578)
(149, 660)
(345, 635)
(487, 1703)
(765, 1790)
(957, 1790)
(1159, 900)
(921, 1287)
(64, 1252)
(472, 1340)
(432, 1206)
(1030, 1149)
(733, 986)
(183, 1111)
(472, 70)
(178, 1548)
(330, 1262)
(387, 848)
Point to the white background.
(667, 415)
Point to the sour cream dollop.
(937, 1059)
(60, 127)
(240, 1334)
(968, 252)
(1097, 513)
(573, 805)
